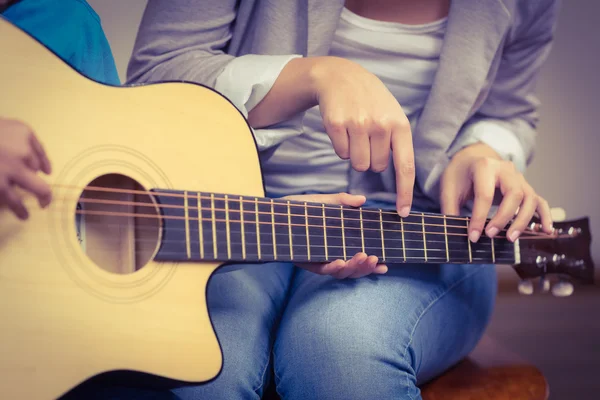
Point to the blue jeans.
(376, 337)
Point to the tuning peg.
(545, 284)
(525, 287)
(558, 214)
(563, 289)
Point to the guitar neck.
(217, 227)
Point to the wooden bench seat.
(491, 372)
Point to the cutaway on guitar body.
(80, 291)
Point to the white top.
(404, 57)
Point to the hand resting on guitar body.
(21, 158)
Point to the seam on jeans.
(277, 380)
(274, 335)
(433, 302)
(262, 380)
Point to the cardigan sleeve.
(508, 118)
(187, 40)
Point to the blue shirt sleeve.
(72, 30)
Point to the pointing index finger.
(404, 164)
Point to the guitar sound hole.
(118, 224)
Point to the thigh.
(380, 336)
(245, 304)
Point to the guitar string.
(270, 223)
(236, 198)
(233, 210)
(312, 246)
(294, 235)
(142, 215)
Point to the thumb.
(345, 199)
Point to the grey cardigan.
(483, 90)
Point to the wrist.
(322, 70)
(311, 71)
(477, 150)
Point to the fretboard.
(209, 226)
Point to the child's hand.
(21, 157)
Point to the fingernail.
(474, 236)
(381, 269)
(404, 212)
(514, 236)
(493, 231)
(362, 261)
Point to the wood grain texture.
(491, 372)
(469, 381)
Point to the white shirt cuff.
(246, 80)
(502, 140)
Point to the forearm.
(294, 91)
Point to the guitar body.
(68, 316)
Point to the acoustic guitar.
(155, 187)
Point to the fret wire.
(381, 230)
(214, 224)
(307, 235)
(228, 233)
(469, 243)
(424, 238)
(187, 225)
(343, 234)
(403, 245)
(290, 229)
(325, 232)
(200, 230)
(243, 233)
(493, 252)
(362, 231)
(446, 237)
(257, 228)
(273, 229)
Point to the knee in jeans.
(352, 362)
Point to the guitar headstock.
(564, 254)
